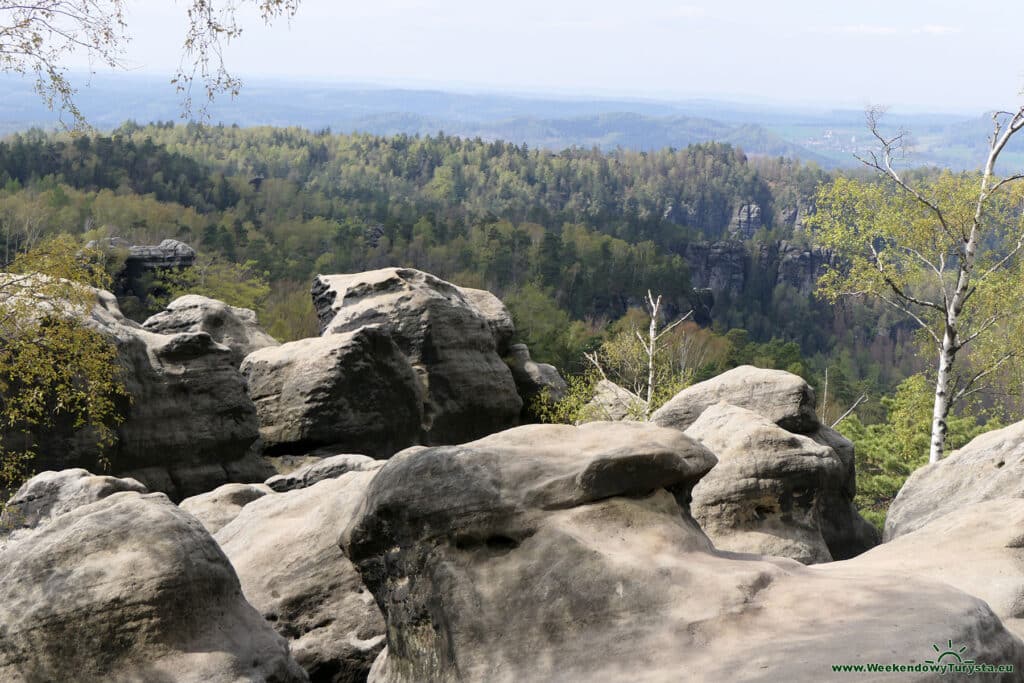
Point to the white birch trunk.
(941, 408)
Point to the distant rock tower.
(746, 222)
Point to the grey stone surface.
(330, 467)
(782, 397)
(468, 391)
(50, 494)
(977, 548)
(130, 588)
(611, 403)
(557, 553)
(766, 494)
(215, 509)
(189, 414)
(354, 391)
(496, 313)
(991, 466)
(285, 549)
(236, 328)
(533, 378)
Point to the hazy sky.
(934, 55)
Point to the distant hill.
(829, 138)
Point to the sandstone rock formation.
(215, 509)
(189, 424)
(557, 553)
(354, 391)
(766, 494)
(798, 266)
(989, 467)
(495, 312)
(235, 328)
(325, 468)
(746, 221)
(782, 397)
(775, 508)
(611, 403)
(284, 547)
(451, 343)
(727, 266)
(50, 494)
(532, 378)
(139, 261)
(976, 547)
(721, 267)
(129, 588)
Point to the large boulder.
(217, 508)
(533, 378)
(782, 397)
(235, 328)
(285, 549)
(977, 548)
(846, 532)
(989, 467)
(761, 502)
(354, 391)
(496, 313)
(557, 553)
(453, 346)
(766, 494)
(130, 588)
(50, 494)
(189, 423)
(611, 403)
(325, 468)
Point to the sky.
(939, 55)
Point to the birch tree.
(943, 249)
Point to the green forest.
(571, 241)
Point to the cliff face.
(726, 266)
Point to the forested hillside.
(570, 240)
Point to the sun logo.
(949, 653)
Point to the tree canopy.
(943, 249)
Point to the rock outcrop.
(284, 547)
(189, 424)
(798, 266)
(235, 328)
(139, 261)
(496, 313)
(765, 495)
(976, 547)
(451, 343)
(782, 491)
(611, 403)
(326, 468)
(50, 494)
(728, 267)
(217, 508)
(782, 397)
(355, 391)
(558, 553)
(533, 378)
(746, 221)
(989, 467)
(129, 588)
(720, 267)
